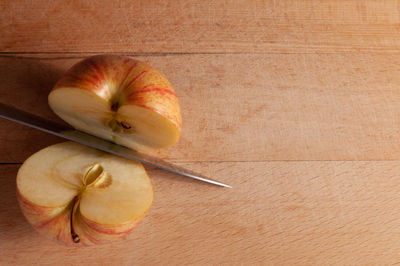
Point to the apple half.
(81, 196)
(119, 99)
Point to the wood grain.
(280, 213)
(197, 26)
(245, 107)
(296, 104)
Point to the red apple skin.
(54, 221)
(94, 233)
(139, 84)
(55, 224)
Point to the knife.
(51, 127)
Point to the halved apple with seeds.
(119, 99)
(81, 196)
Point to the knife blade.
(51, 127)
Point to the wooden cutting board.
(296, 104)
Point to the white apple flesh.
(81, 196)
(119, 99)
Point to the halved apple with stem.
(81, 196)
(119, 99)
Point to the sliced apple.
(119, 99)
(81, 196)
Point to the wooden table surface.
(296, 104)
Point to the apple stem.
(95, 177)
(74, 235)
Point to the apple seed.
(96, 177)
(115, 106)
(92, 174)
(125, 125)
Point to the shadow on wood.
(13, 226)
(27, 82)
(25, 85)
